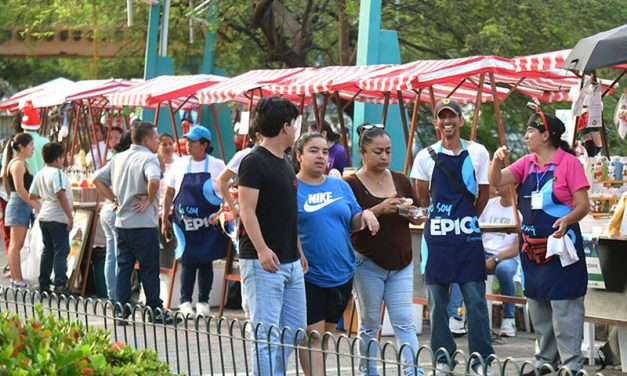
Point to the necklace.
(378, 181)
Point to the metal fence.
(222, 346)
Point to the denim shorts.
(18, 212)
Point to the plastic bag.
(30, 254)
(620, 116)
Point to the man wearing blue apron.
(452, 181)
(192, 184)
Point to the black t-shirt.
(277, 208)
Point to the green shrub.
(45, 345)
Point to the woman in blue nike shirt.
(327, 213)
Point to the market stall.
(605, 229)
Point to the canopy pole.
(94, 125)
(156, 117)
(401, 108)
(503, 140)
(77, 116)
(340, 113)
(323, 110)
(432, 99)
(455, 88)
(216, 123)
(301, 108)
(351, 100)
(475, 115)
(199, 112)
(316, 114)
(499, 116)
(614, 82)
(604, 144)
(90, 137)
(410, 142)
(386, 104)
(176, 133)
(512, 88)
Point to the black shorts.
(327, 303)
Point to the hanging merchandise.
(620, 116)
(595, 105)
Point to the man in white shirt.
(452, 180)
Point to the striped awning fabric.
(239, 88)
(161, 89)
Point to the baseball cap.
(545, 122)
(198, 132)
(448, 104)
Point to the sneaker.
(19, 285)
(44, 289)
(186, 309)
(442, 369)
(166, 318)
(478, 370)
(508, 328)
(456, 326)
(202, 309)
(62, 290)
(540, 372)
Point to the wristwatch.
(496, 259)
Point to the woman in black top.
(17, 180)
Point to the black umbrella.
(598, 51)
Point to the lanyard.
(539, 178)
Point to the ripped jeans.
(374, 285)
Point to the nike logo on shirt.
(310, 208)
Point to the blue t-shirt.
(324, 215)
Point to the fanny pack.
(535, 248)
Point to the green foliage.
(45, 345)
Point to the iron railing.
(222, 346)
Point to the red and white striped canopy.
(100, 89)
(236, 88)
(14, 103)
(547, 61)
(323, 80)
(546, 86)
(163, 88)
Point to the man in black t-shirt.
(271, 260)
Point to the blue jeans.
(107, 221)
(188, 280)
(138, 244)
(504, 272)
(455, 301)
(56, 249)
(277, 300)
(479, 337)
(374, 285)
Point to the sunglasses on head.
(367, 127)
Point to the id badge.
(536, 200)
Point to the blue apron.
(452, 235)
(549, 280)
(198, 240)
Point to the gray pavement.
(224, 351)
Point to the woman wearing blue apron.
(199, 241)
(552, 198)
